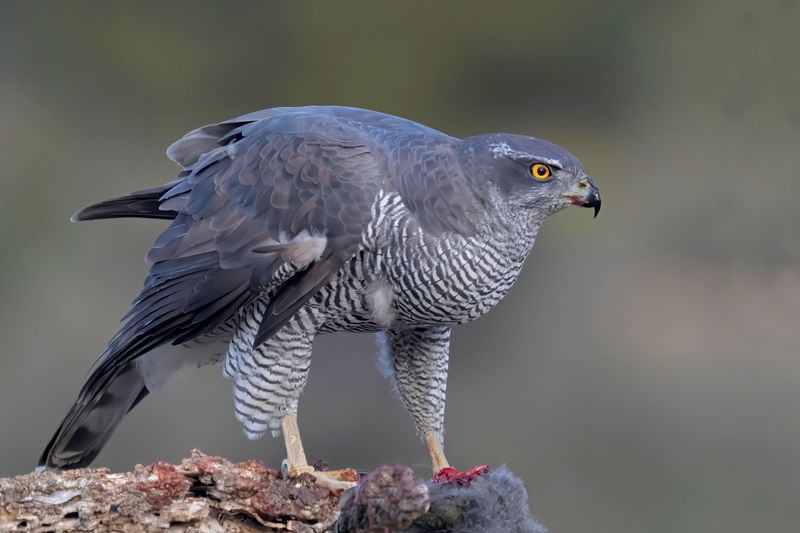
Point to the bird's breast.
(452, 281)
(403, 276)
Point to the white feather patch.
(379, 298)
(385, 364)
(504, 150)
(300, 250)
(158, 365)
(305, 248)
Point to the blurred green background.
(644, 373)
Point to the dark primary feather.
(91, 421)
(140, 204)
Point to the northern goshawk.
(291, 222)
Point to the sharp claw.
(333, 483)
(335, 480)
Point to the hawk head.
(532, 173)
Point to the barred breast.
(402, 276)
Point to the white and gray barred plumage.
(291, 222)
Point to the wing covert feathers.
(263, 198)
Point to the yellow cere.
(540, 171)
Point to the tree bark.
(206, 494)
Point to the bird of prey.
(288, 223)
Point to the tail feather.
(93, 418)
(140, 204)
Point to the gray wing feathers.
(433, 185)
(421, 161)
(263, 195)
(271, 207)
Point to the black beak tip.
(595, 200)
(592, 199)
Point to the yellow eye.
(540, 171)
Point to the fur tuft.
(495, 502)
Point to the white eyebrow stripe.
(554, 162)
(504, 150)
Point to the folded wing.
(265, 208)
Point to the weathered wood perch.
(211, 494)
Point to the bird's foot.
(461, 479)
(335, 480)
(289, 470)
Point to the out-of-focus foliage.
(644, 374)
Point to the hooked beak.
(588, 195)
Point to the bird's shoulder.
(324, 164)
(380, 131)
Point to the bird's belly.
(369, 295)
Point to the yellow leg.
(438, 460)
(295, 455)
(296, 462)
(442, 473)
